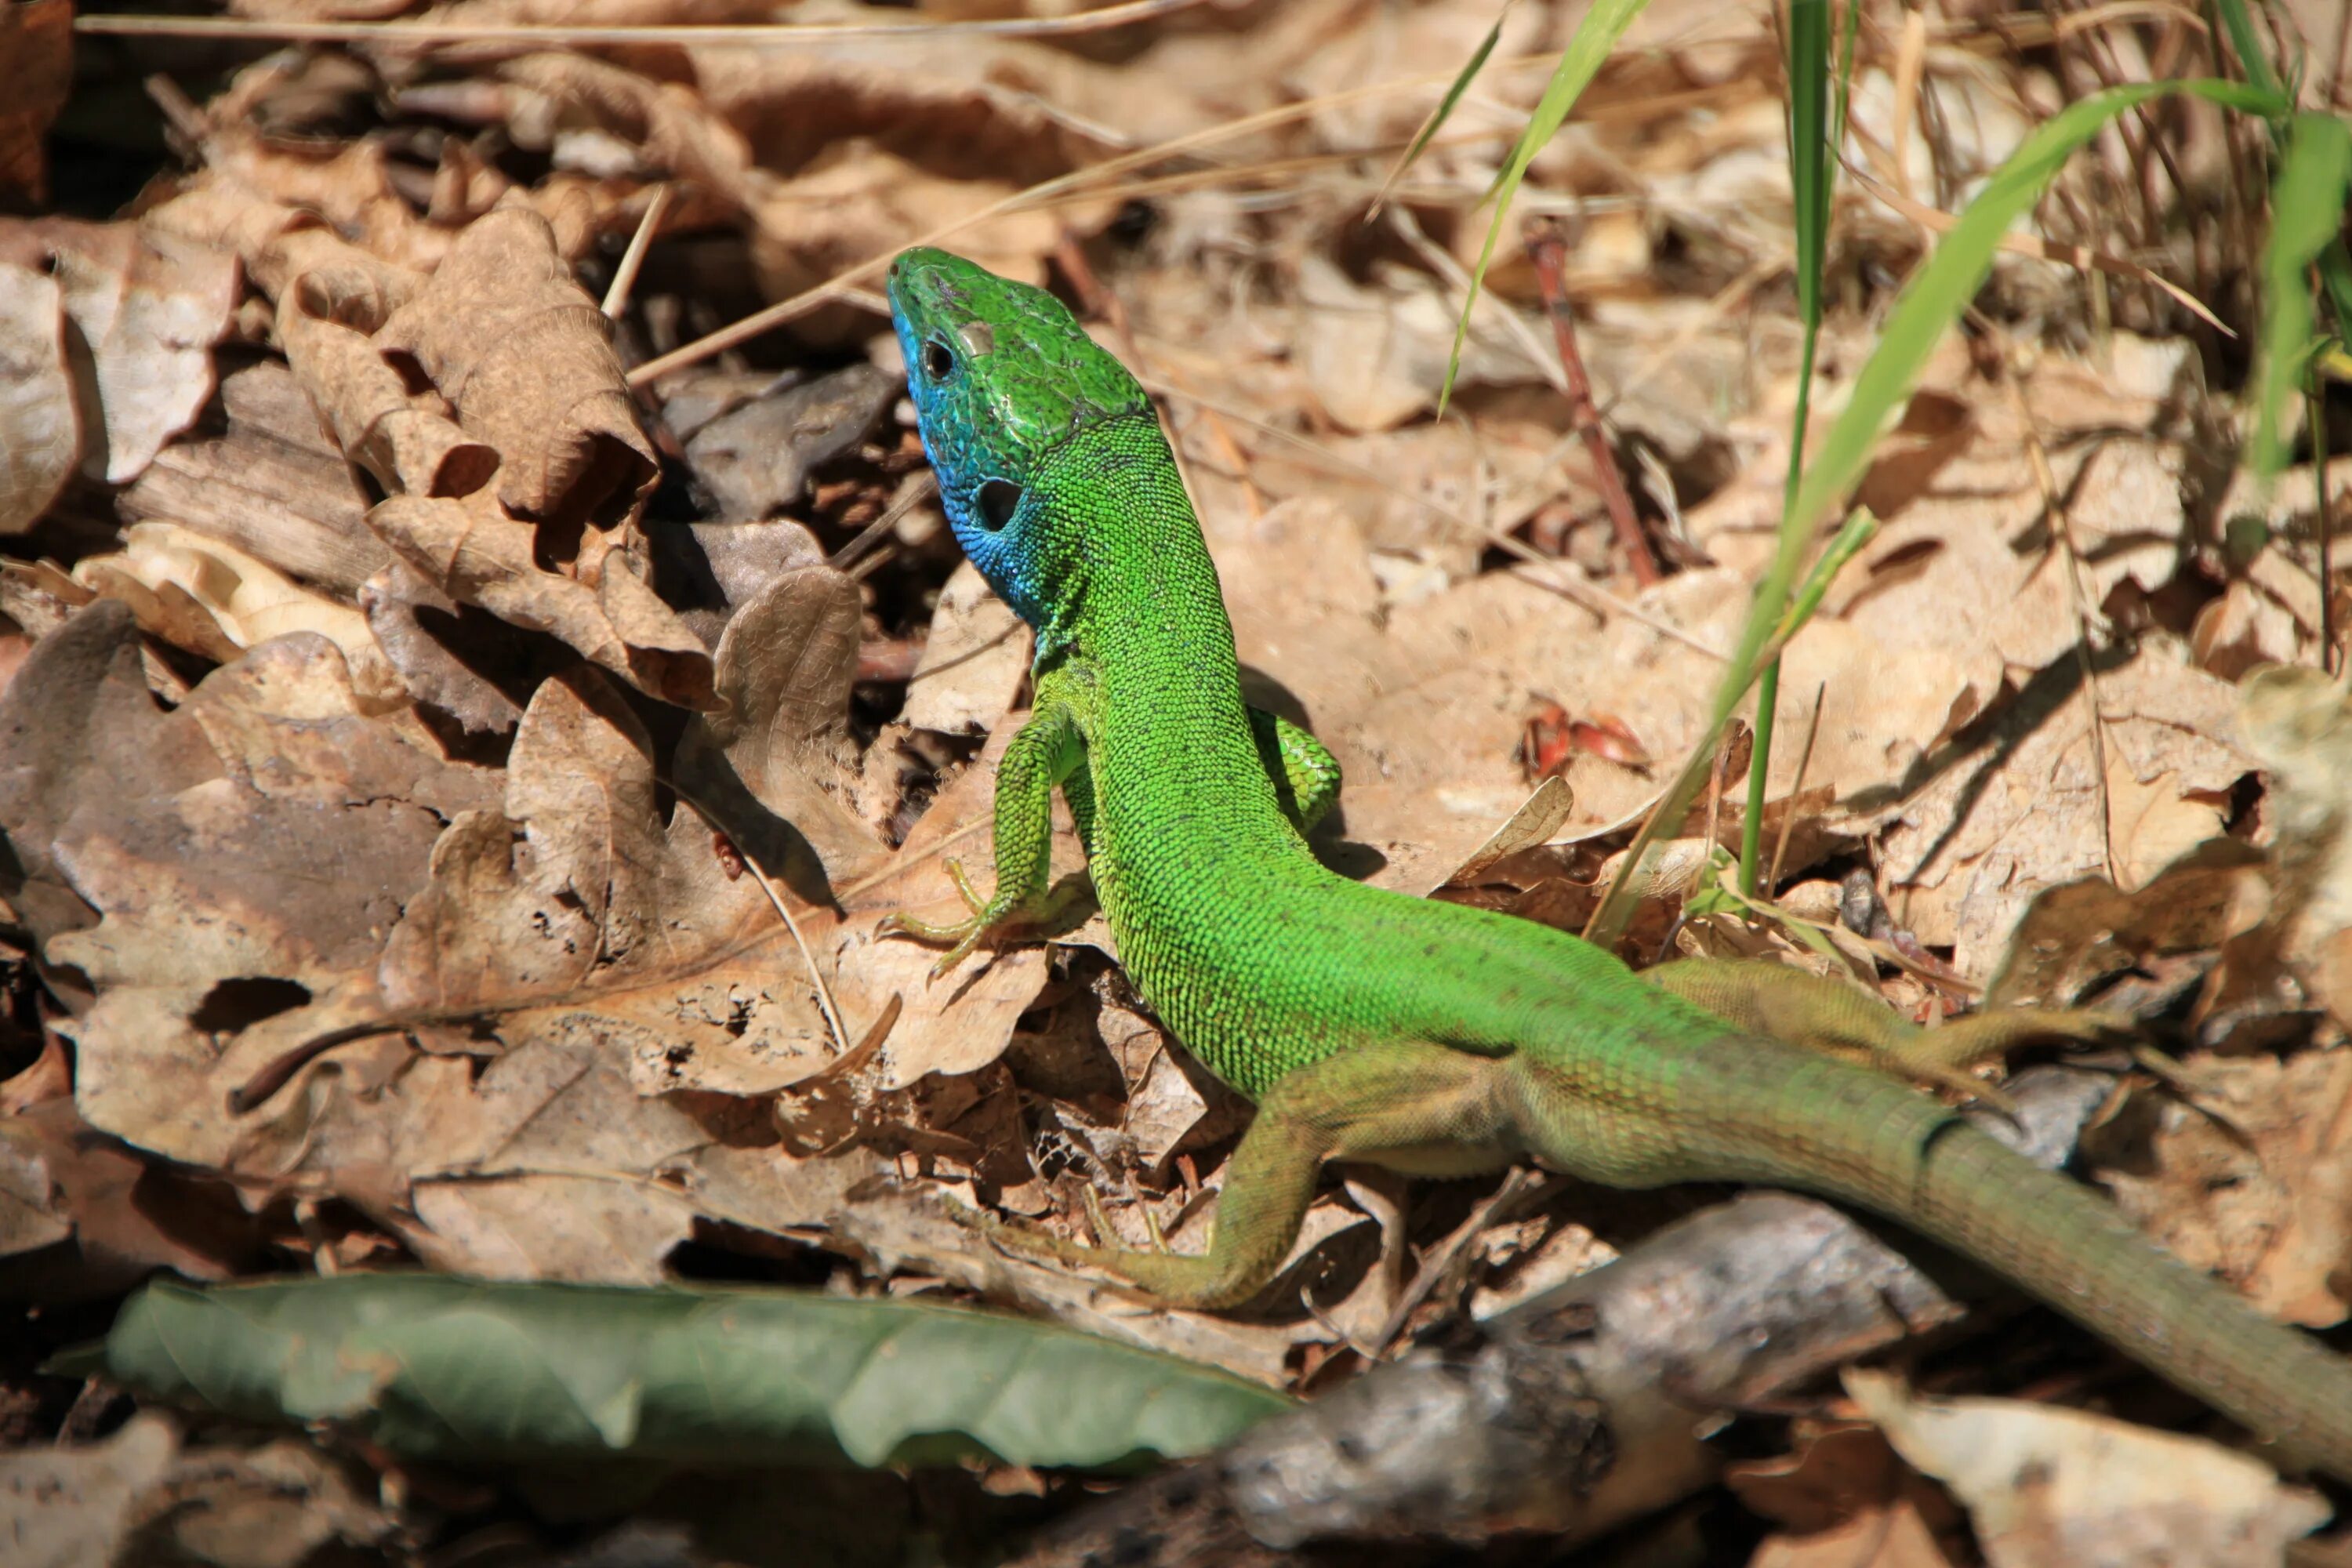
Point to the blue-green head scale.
(1003, 376)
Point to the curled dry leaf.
(473, 553)
(149, 305)
(2044, 1484)
(271, 482)
(526, 504)
(521, 351)
(406, 439)
(771, 761)
(214, 599)
(40, 431)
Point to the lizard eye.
(939, 360)
(998, 501)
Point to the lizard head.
(1002, 374)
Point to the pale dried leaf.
(2045, 1485)
(40, 431)
(1377, 354)
(69, 1508)
(973, 663)
(150, 305)
(271, 483)
(214, 599)
(2265, 1200)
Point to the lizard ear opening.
(998, 499)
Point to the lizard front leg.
(1371, 1103)
(1048, 750)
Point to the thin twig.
(625, 277)
(2061, 529)
(2319, 421)
(774, 34)
(1797, 789)
(816, 976)
(1548, 248)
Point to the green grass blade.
(1811, 169)
(2314, 175)
(1444, 110)
(2245, 42)
(1928, 308)
(1595, 36)
(434, 1367)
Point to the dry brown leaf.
(214, 599)
(2044, 1484)
(245, 855)
(270, 483)
(36, 75)
(70, 1507)
(1405, 486)
(406, 439)
(521, 353)
(419, 628)
(59, 1180)
(1845, 1500)
(474, 553)
(2271, 1213)
(2013, 805)
(149, 305)
(972, 665)
(2076, 933)
(579, 918)
(40, 430)
(773, 761)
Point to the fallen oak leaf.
(149, 305)
(475, 554)
(214, 599)
(521, 353)
(40, 428)
(2047, 1485)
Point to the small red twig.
(1548, 248)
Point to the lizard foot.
(960, 936)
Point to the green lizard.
(1428, 1036)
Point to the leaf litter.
(415, 717)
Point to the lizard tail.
(1910, 1159)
